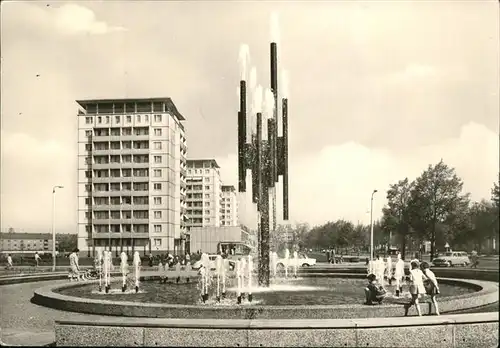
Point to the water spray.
(137, 267)
(124, 269)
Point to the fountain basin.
(53, 296)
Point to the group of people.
(421, 280)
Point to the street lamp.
(371, 225)
(54, 227)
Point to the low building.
(209, 239)
(25, 243)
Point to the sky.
(377, 92)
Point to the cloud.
(29, 170)
(75, 19)
(337, 181)
(68, 19)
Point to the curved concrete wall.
(471, 330)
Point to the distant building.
(207, 239)
(229, 206)
(203, 194)
(17, 243)
(131, 176)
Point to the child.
(374, 292)
(416, 286)
(431, 286)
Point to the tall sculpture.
(265, 153)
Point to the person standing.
(416, 287)
(399, 273)
(73, 263)
(37, 259)
(431, 286)
(9, 262)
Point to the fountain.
(286, 261)
(137, 268)
(295, 263)
(124, 269)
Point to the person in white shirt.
(73, 263)
(399, 273)
(388, 269)
(9, 262)
(431, 286)
(37, 259)
(416, 286)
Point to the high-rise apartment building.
(204, 193)
(229, 206)
(131, 176)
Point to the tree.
(495, 193)
(66, 242)
(436, 195)
(396, 214)
(11, 230)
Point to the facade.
(204, 193)
(229, 206)
(14, 242)
(131, 175)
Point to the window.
(128, 119)
(88, 160)
(88, 133)
(229, 205)
(207, 212)
(207, 220)
(87, 215)
(207, 179)
(146, 118)
(157, 160)
(117, 119)
(207, 187)
(99, 119)
(157, 173)
(207, 195)
(157, 186)
(157, 228)
(88, 147)
(87, 201)
(157, 200)
(158, 132)
(157, 145)
(88, 174)
(138, 118)
(88, 120)
(207, 204)
(88, 187)
(207, 171)
(189, 171)
(157, 214)
(107, 119)
(157, 240)
(157, 118)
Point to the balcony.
(102, 151)
(140, 151)
(101, 179)
(139, 193)
(100, 207)
(121, 221)
(99, 138)
(139, 165)
(100, 166)
(100, 221)
(140, 221)
(138, 207)
(118, 235)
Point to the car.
(452, 258)
(212, 258)
(303, 261)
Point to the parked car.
(303, 261)
(450, 259)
